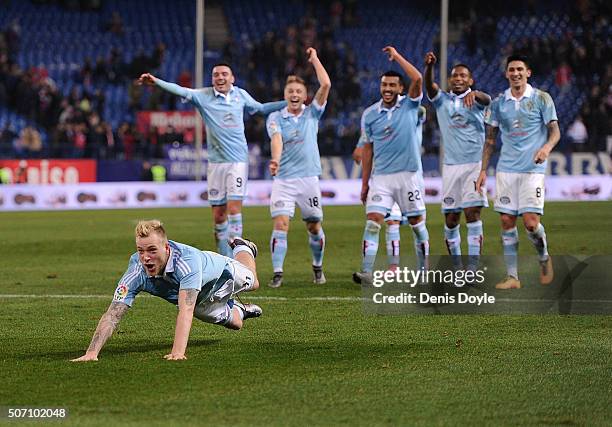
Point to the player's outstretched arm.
(476, 96)
(106, 326)
(431, 86)
(415, 76)
(186, 303)
(276, 148)
(266, 108)
(487, 151)
(322, 76)
(150, 80)
(554, 134)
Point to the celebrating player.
(296, 166)
(222, 108)
(200, 283)
(394, 217)
(460, 115)
(391, 154)
(529, 131)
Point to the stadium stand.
(67, 68)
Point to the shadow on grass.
(111, 351)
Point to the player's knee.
(313, 227)
(508, 221)
(219, 214)
(472, 214)
(531, 222)
(452, 220)
(376, 218)
(281, 223)
(234, 207)
(414, 220)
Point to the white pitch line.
(272, 298)
(254, 297)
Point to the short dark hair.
(518, 57)
(222, 64)
(392, 73)
(464, 66)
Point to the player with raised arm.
(460, 114)
(296, 166)
(392, 157)
(394, 217)
(222, 108)
(527, 119)
(201, 283)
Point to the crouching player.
(201, 283)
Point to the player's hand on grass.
(146, 79)
(173, 356)
(392, 52)
(364, 193)
(469, 99)
(273, 167)
(86, 358)
(481, 181)
(542, 154)
(312, 54)
(430, 58)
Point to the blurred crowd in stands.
(75, 123)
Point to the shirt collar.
(397, 104)
(527, 94)
(226, 95)
(461, 95)
(170, 264)
(286, 114)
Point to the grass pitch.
(308, 360)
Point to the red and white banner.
(179, 120)
(193, 194)
(51, 171)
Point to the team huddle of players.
(203, 284)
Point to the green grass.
(305, 361)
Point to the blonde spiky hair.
(145, 228)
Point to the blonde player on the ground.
(201, 283)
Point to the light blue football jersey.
(393, 133)
(300, 157)
(462, 128)
(187, 268)
(224, 118)
(523, 125)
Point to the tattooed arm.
(106, 326)
(554, 134)
(487, 151)
(186, 302)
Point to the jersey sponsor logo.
(449, 200)
(504, 200)
(121, 292)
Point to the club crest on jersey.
(121, 292)
(529, 105)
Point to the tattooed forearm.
(107, 325)
(489, 146)
(554, 134)
(191, 297)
